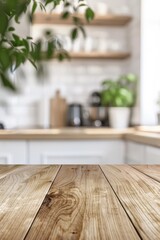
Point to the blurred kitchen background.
(124, 38)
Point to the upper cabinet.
(107, 20)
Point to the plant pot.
(119, 117)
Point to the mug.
(88, 44)
(102, 8)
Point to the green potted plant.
(119, 96)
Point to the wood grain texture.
(81, 206)
(140, 197)
(152, 171)
(22, 192)
(7, 169)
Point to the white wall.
(78, 78)
(150, 61)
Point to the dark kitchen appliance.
(98, 116)
(95, 99)
(75, 115)
(2, 126)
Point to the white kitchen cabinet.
(76, 152)
(13, 152)
(135, 153)
(152, 155)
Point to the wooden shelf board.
(107, 20)
(99, 55)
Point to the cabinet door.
(152, 155)
(76, 152)
(5, 158)
(135, 153)
(13, 152)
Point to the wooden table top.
(79, 202)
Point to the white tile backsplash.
(76, 79)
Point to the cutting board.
(58, 111)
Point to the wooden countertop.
(131, 134)
(64, 134)
(152, 139)
(150, 129)
(79, 202)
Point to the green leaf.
(3, 22)
(4, 58)
(26, 44)
(11, 29)
(34, 7)
(89, 14)
(82, 5)
(33, 63)
(29, 38)
(82, 31)
(50, 50)
(7, 82)
(48, 1)
(42, 7)
(65, 15)
(76, 20)
(67, 4)
(61, 57)
(74, 33)
(16, 38)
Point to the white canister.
(115, 46)
(102, 45)
(88, 44)
(102, 8)
(67, 43)
(77, 45)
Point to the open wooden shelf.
(108, 20)
(100, 55)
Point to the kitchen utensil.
(98, 116)
(75, 115)
(95, 99)
(58, 110)
(2, 126)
